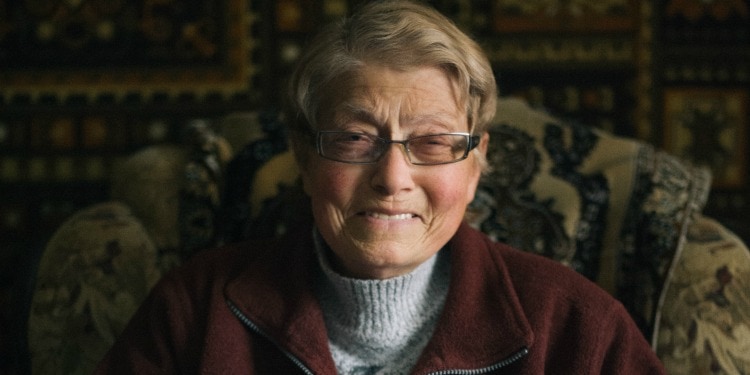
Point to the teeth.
(390, 217)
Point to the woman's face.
(382, 220)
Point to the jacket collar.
(482, 322)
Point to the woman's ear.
(484, 143)
(481, 152)
(481, 164)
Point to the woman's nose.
(393, 172)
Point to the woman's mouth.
(382, 216)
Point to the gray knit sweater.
(381, 326)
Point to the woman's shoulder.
(544, 285)
(534, 276)
(564, 306)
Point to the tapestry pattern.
(55, 50)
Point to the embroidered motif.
(507, 210)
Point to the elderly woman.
(388, 111)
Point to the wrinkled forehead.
(375, 94)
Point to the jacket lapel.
(276, 294)
(483, 323)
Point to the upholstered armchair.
(616, 210)
(101, 262)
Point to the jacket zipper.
(247, 322)
(506, 362)
(252, 326)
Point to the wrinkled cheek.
(326, 206)
(450, 204)
(326, 184)
(330, 198)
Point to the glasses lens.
(347, 147)
(438, 148)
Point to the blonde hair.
(395, 34)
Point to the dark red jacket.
(250, 309)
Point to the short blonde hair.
(395, 34)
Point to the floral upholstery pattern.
(666, 200)
(613, 209)
(96, 270)
(101, 263)
(705, 316)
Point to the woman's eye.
(357, 137)
(353, 138)
(433, 141)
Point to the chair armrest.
(703, 317)
(94, 273)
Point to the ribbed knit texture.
(381, 326)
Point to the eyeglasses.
(361, 148)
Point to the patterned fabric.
(510, 211)
(667, 194)
(100, 264)
(200, 189)
(239, 207)
(705, 318)
(613, 209)
(96, 270)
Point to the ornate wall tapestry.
(574, 57)
(555, 15)
(118, 49)
(709, 127)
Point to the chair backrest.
(612, 208)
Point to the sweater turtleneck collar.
(382, 316)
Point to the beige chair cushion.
(149, 182)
